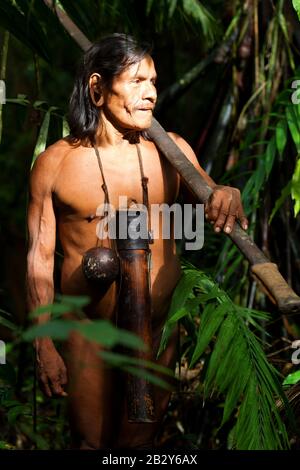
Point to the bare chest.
(79, 191)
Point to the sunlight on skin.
(132, 97)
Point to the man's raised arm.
(224, 206)
(40, 266)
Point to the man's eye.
(136, 80)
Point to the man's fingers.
(219, 224)
(223, 208)
(52, 374)
(52, 386)
(57, 389)
(44, 386)
(63, 379)
(212, 209)
(244, 222)
(229, 223)
(222, 215)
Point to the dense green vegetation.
(227, 83)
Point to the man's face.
(130, 101)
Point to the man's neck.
(110, 135)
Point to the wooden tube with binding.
(134, 308)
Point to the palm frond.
(202, 17)
(193, 13)
(237, 366)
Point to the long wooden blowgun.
(266, 272)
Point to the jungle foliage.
(228, 74)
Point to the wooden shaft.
(134, 315)
(287, 300)
(134, 306)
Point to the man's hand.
(52, 372)
(224, 207)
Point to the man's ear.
(96, 89)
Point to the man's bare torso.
(78, 194)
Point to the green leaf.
(292, 378)
(65, 128)
(201, 15)
(26, 28)
(292, 120)
(234, 395)
(39, 104)
(296, 5)
(238, 368)
(6, 445)
(183, 289)
(105, 333)
(295, 189)
(284, 28)
(121, 359)
(21, 101)
(172, 6)
(74, 301)
(149, 6)
(64, 304)
(8, 324)
(182, 312)
(143, 374)
(259, 176)
(57, 310)
(55, 329)
(42, 137)
(210, 322)
(99, 331)
(16, 411)
(41, 442)
(285, 192)
(137, 367)
(5, 312)
(84, 13)
(270, 156)
(281, 136)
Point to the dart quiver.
(134, 303)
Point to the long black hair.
(109, 57)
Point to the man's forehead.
(144, 66)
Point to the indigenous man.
(110, 108)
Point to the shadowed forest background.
(227, 74)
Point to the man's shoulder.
(47, 166)
(52, 157)
(180, 141)
(173, 135)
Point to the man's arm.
(40, 266)
(224, 205)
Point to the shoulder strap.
(145, 181)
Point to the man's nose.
(150, 92)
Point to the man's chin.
(144, 126)
(140, 127)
